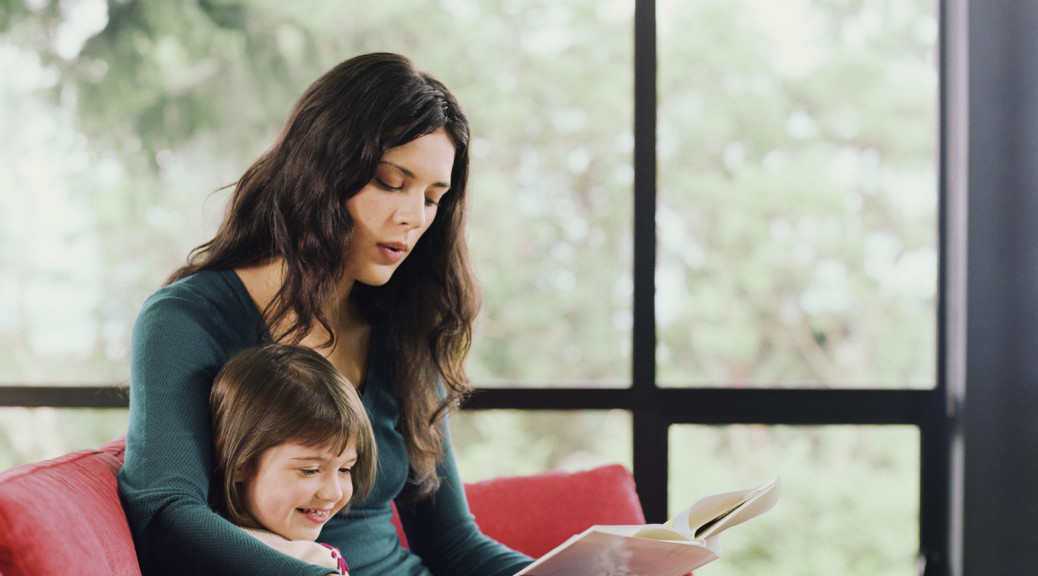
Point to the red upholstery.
(533, 514)
(64, 516)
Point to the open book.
(686, 542)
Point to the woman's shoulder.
(205, 283)
(207, 297)
(220, 288)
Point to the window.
(707, 232)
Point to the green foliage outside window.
(176, 99)
(797, 225)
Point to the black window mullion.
(49, 396)
(650, 431)
(937, 432)
(724, 406)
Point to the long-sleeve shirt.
(306, 550)
(183, 335)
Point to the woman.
(346, 237)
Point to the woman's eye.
(345, 471)
(308, 471)
(431, 202)
(382, 184)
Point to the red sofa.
(63, 516)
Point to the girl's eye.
(431, 202)
(308, 471)
(345, 471)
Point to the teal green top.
(184, 333)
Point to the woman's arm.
(442, 531)
(179, 342)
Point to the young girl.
(292, 445)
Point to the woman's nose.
(411, 211)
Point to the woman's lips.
(392, 252)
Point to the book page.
(714, 514)
(597, 553)
(652, 531)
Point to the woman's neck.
(264, 280)
(350, 329)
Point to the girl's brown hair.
(275, 393)
(291, 204)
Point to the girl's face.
(392, 211)
(293, 489)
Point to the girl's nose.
(331, 490)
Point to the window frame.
(653, 409)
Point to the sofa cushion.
(533, 514)
(63, 516)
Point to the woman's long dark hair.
(291, 203)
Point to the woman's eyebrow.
(410, 174)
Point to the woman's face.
(392, 211)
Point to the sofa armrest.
(63, 516)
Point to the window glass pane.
(131, 117)
(849, 503)
(797, 193)
(34, 434)
(494, 443)
(551, 210)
